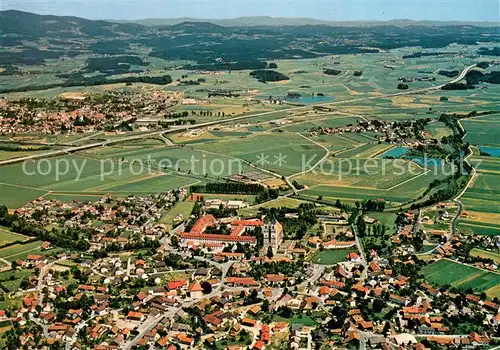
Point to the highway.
(228, 120)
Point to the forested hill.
(33, 25)
(208, 44)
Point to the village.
(237, 282)
(74, 113)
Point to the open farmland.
(483, 131)
(266, 151)
(396, 181)
(6, 236)
(15, 251)
(180, 210)
(446, 272)
(121, 171)
(485, 254)
(482, 199)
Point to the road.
(318, 271)
(151, 322)
(359, 245)
(229, 120)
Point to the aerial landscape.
(249, 179)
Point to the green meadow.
(447, 273)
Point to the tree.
(206, 287)
(174, 241)
(270, 252)
(378, 305)
(387, 328)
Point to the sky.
(334, 10)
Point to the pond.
(310, 99)
(396, 152)
(492, 151)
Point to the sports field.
(330, 257)
(446, 272)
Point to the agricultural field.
(284, 202)
(446, 272)
(330, 257)
(21, 251)
(482, 199)
(117, 170)
(438, 130)
(485, 254)
(283, 153)
(396, 181)
(6, 236)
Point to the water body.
(311, 99)
(492, 151)
(396, 152)
(302, 99)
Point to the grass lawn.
(185, 208)
(330, 257)
(277, 203)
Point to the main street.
(229, 120)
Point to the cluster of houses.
(82, 113)
(388, 132)
(112, 220)
(202, 292)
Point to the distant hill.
(243, 43)
(296, 21)
(34, 25)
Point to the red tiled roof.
(218, 238)
(247, 281)
(133, 314)
(202, 223)
(176, 284)
(247, 223)
(195, 287)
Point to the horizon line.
(208, 19)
